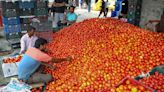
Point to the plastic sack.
(16, 86)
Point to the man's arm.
(48, 65)
(56, 60)
(59, 60)
(23, 46)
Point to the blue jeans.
(57, 17)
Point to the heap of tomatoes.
(131, 86)
(155, 81)
(12, 59)
(104, 51)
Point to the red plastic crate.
(134, 82)
(48, 35)
(0, 21)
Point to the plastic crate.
(25, 20)
(41, 4)
(26, 4)
(131, 21)
(15, 43)
(24, 27)
(115, 14)
(11, 21)
(42, 19)
(10, 13)
(134, 82)
(9, 5)
(26, 12)
(48, 35)
(11, 28)
(10, 36)
(120, 0)
(44, 26)
(0, 21)
(41, 11)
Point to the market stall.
(104, 52)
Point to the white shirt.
(27, 42)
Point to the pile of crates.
(26, 12)
(134, 12)
(11, 22)
(17, 15)
(41, 8)
(31, 9)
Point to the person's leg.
(39, 77)
(100, 13)
(106, 12)
(55, 20)
(61, 18)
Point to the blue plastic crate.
(11, 21)
(118, 6)
(115, 14)
(11, 28)
(26, 4)
(120, 0)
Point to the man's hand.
(69, 59)
(22, 52)
(48, 65)
(52, 67)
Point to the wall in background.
(151, 10)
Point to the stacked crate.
(17, 17)
(26, 12)
(41, 8)
(134, 11)
(11, 22)
(138, 12)
(41, 12)
(11, 19)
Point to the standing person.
(106, 6)
(28, 40)
(31, 61)
(58, 9)
(103, 9)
